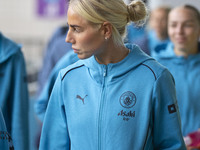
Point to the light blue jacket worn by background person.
(155, 44)
(55, 50)
(43, 100)
(186, 72)
(14, 100)
(5, 138)
(129, 105)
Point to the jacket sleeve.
(54, 131)
(20, 104)
(167, 126)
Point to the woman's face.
(183, 29)
(86, 38)
(158, 22)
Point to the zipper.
(102, 101)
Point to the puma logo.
(82, 99)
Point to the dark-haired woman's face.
(158, 22)
(86, 39)
(183, 29)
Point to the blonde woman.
(115, 97)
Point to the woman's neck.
(162, 36)
(185, 52)
(112, 54)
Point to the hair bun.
(137, 11)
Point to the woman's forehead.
(75, 18)
(182, 14)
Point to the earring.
(106, 38)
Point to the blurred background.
(31, 23)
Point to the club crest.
(127, 99)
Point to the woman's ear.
(107, 30)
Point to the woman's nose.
(69, 38)
(179, 29)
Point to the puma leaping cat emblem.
(82, 99)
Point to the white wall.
(18, 17)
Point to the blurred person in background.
(114, 91)
(14, 97)
(43, 99)
(182, 58)
(56, 48)
(156, 37)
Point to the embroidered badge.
(172, 108)
(82, 99)
(127, 99)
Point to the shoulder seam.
(151, 70)
(71, 70)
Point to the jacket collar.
(115, 70)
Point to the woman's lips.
(75, 50)
(180, 40)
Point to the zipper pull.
(105, 71)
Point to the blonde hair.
(115, 12)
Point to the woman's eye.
(76, 30)
(172, 25)
(188, 25)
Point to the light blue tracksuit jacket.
(129, 105)
(186, 72)
(14, 92)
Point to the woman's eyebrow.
(73, 26)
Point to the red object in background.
(193, 139)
